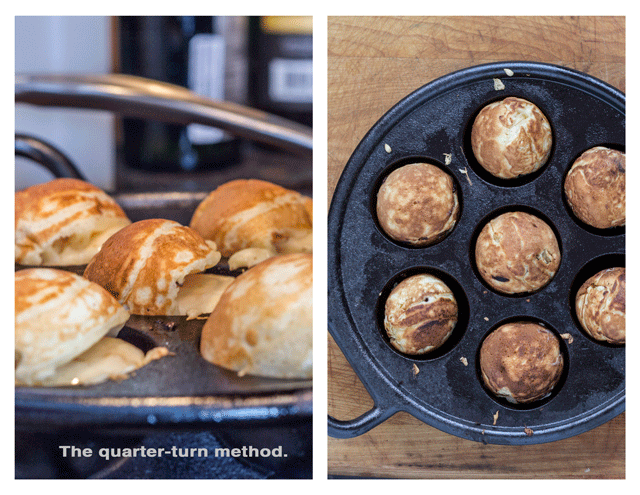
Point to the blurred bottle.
(281, 66)
(207, 55)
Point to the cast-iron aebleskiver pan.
(177, 392)
(182, 391)
(444, 388)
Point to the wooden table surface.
(373, 62)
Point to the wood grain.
(373, 62)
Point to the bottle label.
(291, 80)
(206, 71)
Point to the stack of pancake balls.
(516, 252)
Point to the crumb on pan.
(416, 370)
(387, 148)
(568, 337)
(528, 431)
(498, 85)
(486, 319)
(447, 158)
(464, 361)
(157, 353)
(495, 417)
(163, 326)
(464, 171)
(508, 72)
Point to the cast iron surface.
(364, 264)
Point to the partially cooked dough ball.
(600, 306)
(595, 187)
(263, 324)
(58, 316)
(146, 264)
(521, 362)
(420, 314)
(511, 138)
(517, 252)
(63, 222)
(253, 213)
(417, 204)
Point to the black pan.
(364, 264)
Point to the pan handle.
(48, 156)
(138, 97)
(362, 424)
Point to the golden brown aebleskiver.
(521, 362)
(420, 314)
(255, 214)
(262, 324)
(145, 264)
(511, 137)
(417, 204)
(595, 187)
(63, 222)
(58, 315)
(517, 252)
(601, 307)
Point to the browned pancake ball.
(417, 204)
(595, 187)
(517, 252)
(600, 306)
(521, 362)
(511, 137)
(420, 314)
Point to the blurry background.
(262, 62)
(66, 45)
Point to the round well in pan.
(397, 164)
(461, 300)
(479, 170)
(612, 231)
(502, 402)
